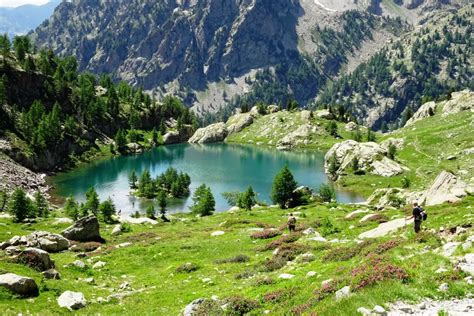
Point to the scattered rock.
(99, 265)
(124, 244)
(79, 264)
(19, 285)
(51, 274)
(217, 233)
(85, 229)
(368, 217)
(449, 248)
(63, 220)
(343, 293)
(379, 310)
(72, 300)
(443, 287)
(441, 270)
(318, 238)
(311, 231)
(296, 137)
(350, 127)
(326, 282)
(311, 274)
(364, 311)
(324, 114)
(306, 257)
(47, 241)
(353, 214)
(430, 307)
(139, 221)
(117, 230)
(286, 276)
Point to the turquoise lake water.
(223, 167)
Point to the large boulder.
(325, 114)
(35, 258)
(175, 137)
(193, 307)
(19, 285)
(372, 158)
(238, 122)
(272, 109)
(211, 134)
(426, 110)
(72, 300)
(393, 197)
(85, 229)
(386, 228)
(297, 137)
(47, 241)
(459, 102)
(446, 188)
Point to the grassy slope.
(428, 144)
(151, 263)
(269, 129)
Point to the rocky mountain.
(23, 19)
(212, 52)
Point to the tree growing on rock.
(392, 151)
(204, 203)
(283, 188)
(333, 166)
(20, 205)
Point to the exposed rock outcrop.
(459, 102)
(299, 136)
(386, 228)
(85, 229)
(372, 158)
(446, 188)
(19, 285)
(175, 137)
(210, 134)
(238, 122)
(47, 241)
(426, 110)
(14, 176)
(72, 300)
(36, 258)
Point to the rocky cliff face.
(204, 49)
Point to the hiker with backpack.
(291, 223)
(419, 215)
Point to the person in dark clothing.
(417, 215)
(291, 223)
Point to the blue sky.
(17, 3)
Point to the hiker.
(418, 215)
(291, 223)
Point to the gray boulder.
(192, 307)
(47, 241)
(85, 229)
(272, 109)
(19, 285)
(325, 114)
(426, 110)
(238, 122)
(72, 300)
(51, 274)
(446, 188)
(211, 134)
(35, 258)
(459, 102)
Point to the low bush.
(239, 305)
(328, 228)
(264, 225)
(280, 241)
(264, 281)
(247, 274)
(126, 228)
(426, 237)
(346, 252)
(273, 264)
(328, 288)
(85, 246)
(265, 234)
(379, 218)
(386, 246)
(187, 268)
(237, 259)
(376, 269)
(208, 308)
(234, 222)
(278, 295)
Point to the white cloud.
(17, 3)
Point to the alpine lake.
(224, 167)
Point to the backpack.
(423, 214)
(291, 221)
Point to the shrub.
(379, 218)
(273, 264)
(208, 308)
(392, 151)
(247, 274)
(386, 246)
(376, 270)
(264, 225)
(234, 222)
(237, 259)
(265, 234)
(187, 268)
(327, 193)
(426, 237)
(85, 246)
(264, 281)
(280, 241)
(346, 252)
(126, 228)
(239, 305)
(406, 182)
(278, 295)
(328, 228)
(327, 289)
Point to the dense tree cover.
(283, 188)
(64, 106)
(203, 201)
(303, 76)
(93, 206)
(173, 183)
(21, 206)
(434, 63)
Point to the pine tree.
(107, 210)
(120, 140)
(3, 200)
(71, 208)
(283, 187)
(392, 151)
(161, 198)
(204, 203)
(247, 199)
(331, 128)
(132, 180)
(92, 201)
(333, 166)
(20, 205)
(41, 205)
(150, 212)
